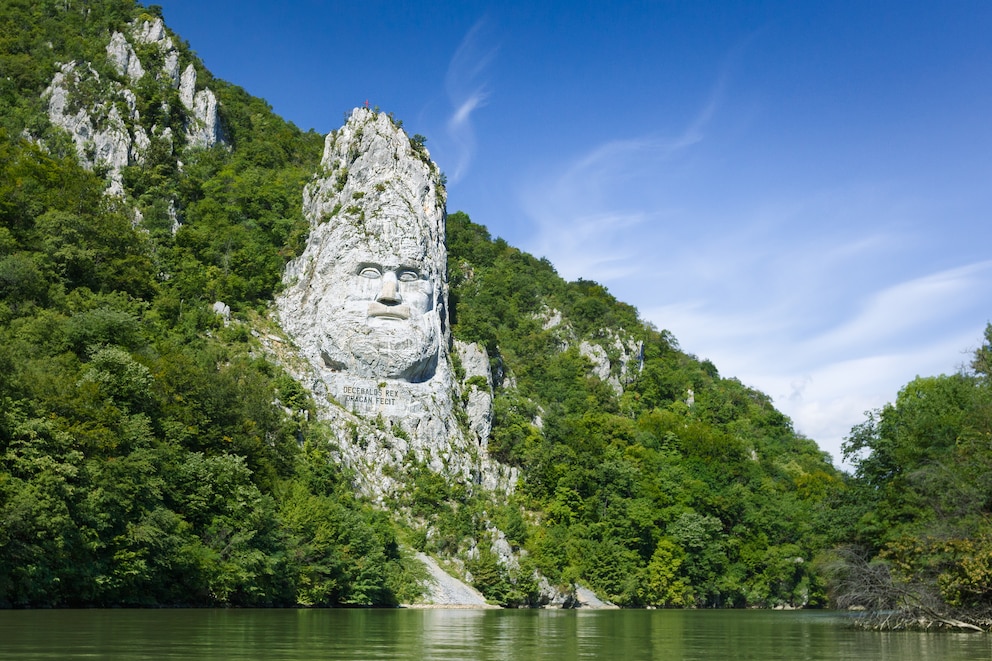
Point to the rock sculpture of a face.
(365, 305)
(379, 310)
(366, 297)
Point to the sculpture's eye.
(407, 276)
(370, 272)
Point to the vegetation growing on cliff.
(150, 454)
(644, 497)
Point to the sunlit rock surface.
(477, 387)
(106, 128)
(366, 305)
(98, 131)
(121, 54)
(203, 125)
(613, 358)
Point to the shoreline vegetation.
(153, 453)
(889, 602)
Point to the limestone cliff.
(366, 305)
(612, 353)
(477, 388)
(101, 113)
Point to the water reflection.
(482, 635)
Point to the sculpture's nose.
(389, 294)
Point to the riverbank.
(445, 591)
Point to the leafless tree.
(889, 601)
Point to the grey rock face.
(370, 287)
(366, 306)
(150, 32)
(223, 310)
(153, 32)
(612, 354)
(187, 86)
(122, 56)
(170, 67)
(203, 126)
(479, 407)
(615, 373)
(552, 319)
(106, 137)
(443, 589)
(99, 132)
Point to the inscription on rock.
(367, 299)
(366, 304)
(369, 396)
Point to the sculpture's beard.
(384, 346)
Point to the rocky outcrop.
(611, 353)
(551, 319)
(202, 121)
(586, 598)
(106, 127)
(616, 363)
(122, 56)
(445, 591)
(153, 32)
(477, 388)
(99, 132)
(598, 357)
(366, 305)
(615, 371)
(203, 126)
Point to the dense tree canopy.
(924, 487)
(654, 496)
(150, 453)
(147, 454)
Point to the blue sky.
(800, 191)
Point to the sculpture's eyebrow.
(384, 263)
(363, 264)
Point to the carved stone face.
(366, 297)
(380, 315)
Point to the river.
(475, 635)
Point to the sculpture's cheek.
(419, 300)
(361, 289)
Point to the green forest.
(151, 454)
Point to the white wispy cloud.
(890, 314)
(582, 222)
(834, 394)
(827, 376)
(828, 293)
(467, 86)
(798, 297)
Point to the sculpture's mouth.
(377, 309)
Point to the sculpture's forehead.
(346, 245)
(387, 258)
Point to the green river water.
(475, 635)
